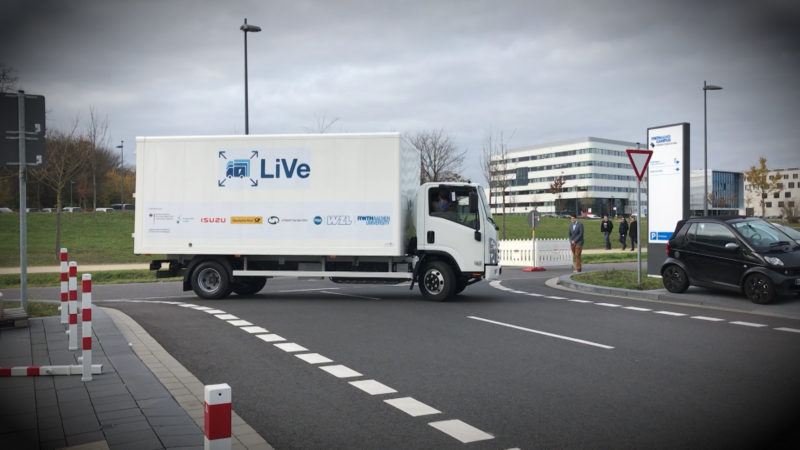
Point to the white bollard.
(217, 409)
(64, 288)
(73, 305)
(86, 332)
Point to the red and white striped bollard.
(73, 305)
(86, 331)
(64, 288)
(217, 411)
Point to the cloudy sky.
(537, 71)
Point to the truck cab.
(456, 238)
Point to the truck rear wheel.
(248, 285)
(437, 281)
(211, 280)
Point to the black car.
(744, 254)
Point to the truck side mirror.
(473, 202)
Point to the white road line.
(373, 387)
(270, 338)
(340, 371)
(201, 308)
(555, 297)
(533, 294)
(350, 295)
(636, 308)
(226, 316)
(254, 330)
(240, 323)
(187, 305)
(577, 300)
(412, 407)
(314, 358)
(749, 324)
(307, 290)
(215, 311)
(462, 431)
(543, 333)
(790, 330)
(708, 319)
(669, 313)
(610, 305)
(291, 347)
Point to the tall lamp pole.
(706, 88)
(252, 29)
(121, 175)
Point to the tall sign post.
(533, 220)
(22, 120)
(639, 160)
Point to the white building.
(598, 179)
(780, 202)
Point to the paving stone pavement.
(143, 399)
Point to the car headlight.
(774, 261)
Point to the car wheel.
(675, 279)
(759, 288)
(248, 285)
(210, 280)
(437, 281)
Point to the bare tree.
(556, 187)
(494, 161)
(758, 177)
(96, 136)
(322, 125)
(66, 158)
(7, 78)
(441, 161)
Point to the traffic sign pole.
(639, 160)
(23, 208)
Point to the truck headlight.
(773, 261)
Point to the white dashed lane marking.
(373, 387)
(291, 347)
(498, 285)
(340, 371)
(254, 330)
(412, 407)
(459, 430)
(240, 323)
(314, 358)
(270, 338)
(226, 317)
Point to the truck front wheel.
(437, 281)
(211, 280)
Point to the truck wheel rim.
(434, 281)
(208, 279)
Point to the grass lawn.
(556, 228)
(37, 309)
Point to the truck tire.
(210, 280)
(437, 281)
(248, 285)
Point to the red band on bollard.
(64, 276)
(5, 371)
(86, 315)
(64, 296)
(217, 421)
(86, 286)
(33, 371)
(73, 295)
(73, 271)
(87, 343)
(63, 256)
(73, 319)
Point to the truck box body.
(322, 194)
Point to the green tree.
(759, 179)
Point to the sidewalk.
(144, 398)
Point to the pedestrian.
(576, 241)
(632, 230)
(606, 226)
(623, 232)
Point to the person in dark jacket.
(623, 232)
(575, 235)
(606, 226)
(632, 230)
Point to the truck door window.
(452, 205)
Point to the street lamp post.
(71, 183)
(706, 88)
(252, 29)
(121, 174)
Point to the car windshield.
(762, 234)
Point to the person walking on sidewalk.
(632, 230)
(576, 241)
(623, 232)
(606, 226)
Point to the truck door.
(450, 226)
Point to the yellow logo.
(247, 220)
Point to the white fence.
(549, 252)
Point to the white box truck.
(229, 212)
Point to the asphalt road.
(514, 364)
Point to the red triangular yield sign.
(639, 160)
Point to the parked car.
(30, 210)
(72, 209)
(104, 209)
(123, 206)
(5, 210)
(748, 255)
(49, 210)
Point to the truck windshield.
(452, 203)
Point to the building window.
(791, 185)
(780, 204)
(791, 204)
(776, 195)
(769, 204)
(787, 194)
